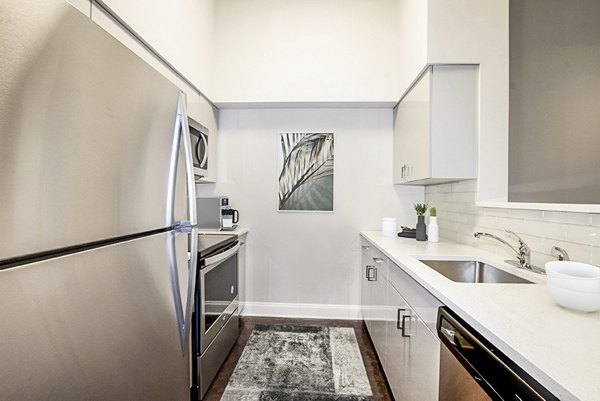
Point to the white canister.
(433, 230)
(389, 227)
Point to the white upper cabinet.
(435, 127)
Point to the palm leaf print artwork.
(306, 175)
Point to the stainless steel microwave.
(199, 139)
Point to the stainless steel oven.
(218, 293)
(216, 313)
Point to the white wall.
(305, 51)
(309, 258)
(180, 30)
(411, 41)
(459, 218)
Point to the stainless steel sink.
(473, 271)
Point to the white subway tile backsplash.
(465, 186)
(435, 197)
(595, 220)
(505, 223)
(485, 221)
(544, 229)
(589, 235)
(525, 214)
(459, 217)
(432, 189)
(569, 218)
(595, 257)
(493, 211)
(460, 197)
(540, 259)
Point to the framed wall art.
(306, 172)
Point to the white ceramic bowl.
(574, 285)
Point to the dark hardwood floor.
(377, 380)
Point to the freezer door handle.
(183, 311)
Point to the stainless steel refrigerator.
(97, 203)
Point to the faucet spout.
(480, 234)
(523, 252)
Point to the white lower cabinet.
(374, 296)
(400, 316)
(413, 353)
(365, 286)
(242, 272)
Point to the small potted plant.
(421, 209)
(433, 230)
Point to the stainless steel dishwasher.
(472, 369)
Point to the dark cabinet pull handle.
(404, 334)
(400, 326)
(371, 277)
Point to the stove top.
(209, 244)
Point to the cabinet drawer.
(420, 300)
(374, 257)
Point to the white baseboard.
(306, 311)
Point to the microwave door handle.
(205, 153)
(213, 261)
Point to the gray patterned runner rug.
(287, 363)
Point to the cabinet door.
(412, 158)
(365, 285)
(242, 273)
(413, 353)
(377, 328)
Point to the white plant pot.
(433, 230)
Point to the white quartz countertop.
(239, 231)
(558, 347)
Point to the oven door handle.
(213, 261)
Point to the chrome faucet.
(523, 252)
(560, 253)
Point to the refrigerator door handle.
(193, 221)
(189, 160)
(181, 135)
